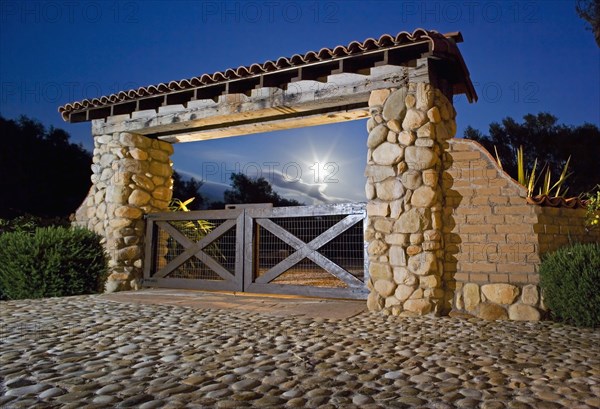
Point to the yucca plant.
(561, 180)
(498, 158)
(530, 181)
(526, 179)
(550, 189)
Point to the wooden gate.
(308, 250)
(304, 250)
(198, 250)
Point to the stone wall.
(494, 239)
(408, 132)
(131, 176)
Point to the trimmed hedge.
(570, 279)
(51, 262)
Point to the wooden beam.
(262, 126)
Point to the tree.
(185, 189)
(41, 172)
(219, 205)
(259, 190)
(589, 10)
(542, 137)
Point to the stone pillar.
(131, 176)
(408, 130)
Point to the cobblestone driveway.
(90, 352)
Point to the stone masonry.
(408, 132)
(131, 176)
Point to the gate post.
(131, 176)
(408, 132)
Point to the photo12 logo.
(26, 91)
(69, 12)
(289, 172)
(427, 11)
(269, 12)
(492, 92)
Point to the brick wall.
(488, 225)
(493, 236)
(557, 226)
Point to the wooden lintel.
(267, 126)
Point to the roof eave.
(266, 74)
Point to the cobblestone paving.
(88, 352)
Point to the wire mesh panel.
(308, 228)
(195, 249)
(310, 250)
(272, 250)
(306, 272)
(222, 249)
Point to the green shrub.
(51, 262)
(28, 223)
(570, 279)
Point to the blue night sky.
(524, 57)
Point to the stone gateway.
(433, 201)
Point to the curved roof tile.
(311, 56)
(547, 201)
(437, 41)
(270, 66)
(354, 47)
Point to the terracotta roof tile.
(441, 45)
(546, 201)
